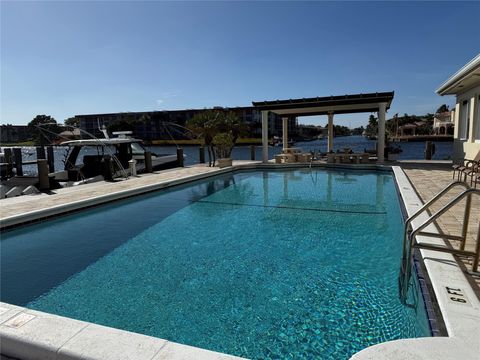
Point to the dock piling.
(132, 166)
(17, 154)
(429, 150)
(148, 162)
(40, 152)
(43, 181)
(180, 157)
(201, 154)
(9, 161)
(50, 159)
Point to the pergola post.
(265, 136)
(330, 131)
(382, 109)
(285, 132)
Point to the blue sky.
(69, 58)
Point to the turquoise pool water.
(282, 264)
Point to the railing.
(410, 241)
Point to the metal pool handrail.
(410, 234)
(425, 207)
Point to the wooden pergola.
(328, 105)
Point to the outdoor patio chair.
(466, 164)
(469, 169)
(476, 180)
(473, 171)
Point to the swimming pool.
(273, 264)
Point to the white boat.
(89, 160)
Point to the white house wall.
(469, 147)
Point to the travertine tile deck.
(429, 179)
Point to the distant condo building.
(14, 133)
(155, 125)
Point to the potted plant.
(223, 143)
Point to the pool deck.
(426, 178)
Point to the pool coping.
(28, 334)
(24, 332)
(461, 319)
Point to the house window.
(464, 120)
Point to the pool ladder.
(410, 242)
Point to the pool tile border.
(434, 315)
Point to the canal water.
(410, 151)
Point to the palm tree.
(209, 123)
(205, 125)
(232, 126)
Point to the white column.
(457, 155)
(285, 132)
(330, 132)
(456, 119)
(265, 136)
(472, 133)
(382, 109)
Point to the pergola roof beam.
(324, 110)
(328, 101)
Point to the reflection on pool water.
(281, 264)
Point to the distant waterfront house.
(443, 123)
(407, 129)
(465, 85)
(410, 129)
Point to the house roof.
(342, 104)
(464, 79)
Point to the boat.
(89, 160)
(278, 141)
